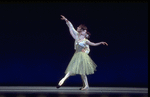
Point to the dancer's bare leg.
(64, 78)
(82, 82)
(86, 87)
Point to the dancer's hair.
(83, 27)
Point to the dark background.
(36, 46)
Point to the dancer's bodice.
(81, 46)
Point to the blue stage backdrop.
(36, 46)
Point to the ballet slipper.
(58, 86)
(81, 88)
(60, 83)
(85, 88)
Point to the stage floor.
(47, 91)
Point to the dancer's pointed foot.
(60, 83)
(81, 88)
(58, 86)
(85, 88)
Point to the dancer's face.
(78, 29)
(83, 32)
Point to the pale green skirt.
(81, 63)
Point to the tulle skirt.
(81, 63)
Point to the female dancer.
(81, 63)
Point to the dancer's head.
(82, 29)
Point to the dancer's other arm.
(96, 44)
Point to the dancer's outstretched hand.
(63, 18)
(104, 43)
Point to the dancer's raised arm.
(73, 32)
(96, 44)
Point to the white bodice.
(83, 44)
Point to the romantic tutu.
(81, 63)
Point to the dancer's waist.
(80, 49)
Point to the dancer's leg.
(64, 78)
(82, 81)
(85, 82)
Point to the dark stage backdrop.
(36, 46)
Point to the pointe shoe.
(58, 86)
(85, 88)
(81, 88)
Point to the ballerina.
(81, 63)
